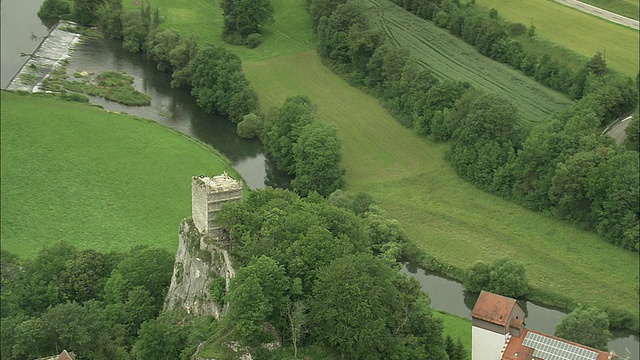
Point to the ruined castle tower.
(208, 194)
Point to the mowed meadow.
(94, 179)
(451, 58)
(408, 176)
(583, 33)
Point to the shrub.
(250, 126)
(54, 9)
(74, 96)
(517, 29)
(476, 277)
(254, 40)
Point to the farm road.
(607, 15)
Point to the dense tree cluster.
(543, 169)
(357, 50)
(493, 37)
(213, 73)
(504, 276)
(310, 272)
(243, 19)
(303, 147)
(95, 304)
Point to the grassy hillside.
(585, 34)
(95, 179)
(451, 58)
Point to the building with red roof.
(499, 333)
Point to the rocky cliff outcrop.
(200, 260)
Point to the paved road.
(617, 130)
(608, 15)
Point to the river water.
(176, 108)
(22, 32)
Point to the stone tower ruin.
(208, 194)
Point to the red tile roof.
(516, 351)
(493, 308)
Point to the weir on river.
(55, 48)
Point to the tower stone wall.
(208, 195)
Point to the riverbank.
(92, 178)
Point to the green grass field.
(585, 34)
(456, 327)
(288, 34)
(452, 59)
(95, 179)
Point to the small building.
(492, 319)
(499, 333)
(64, 355)
(208, 195)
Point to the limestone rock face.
(199, 260)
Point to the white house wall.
(486, 345)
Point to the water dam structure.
(50, 54)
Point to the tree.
(84, 276)
(352, 301)
(571, 183)
(284, 127)
(162, 338)
(597, 65)
(244, 17)
(613, 188)
(333, 31)
(110, 14)
(272, 279)
(317, 156)
(54, 9)
(485, 138)
(218, 83)
(150, 268)
(250, 126)
(86, 11)
(588, 327)
(161, 44)
(476, 278)
(39, 286)
(365, 310)
(249, 310)
(508, 277)
(297, 319)
(632, 141)
(322, 8)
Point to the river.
(177, 109)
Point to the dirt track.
(601, 13)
